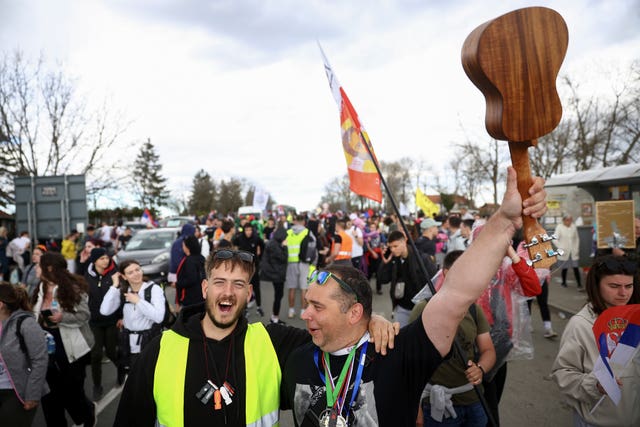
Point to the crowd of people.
(448, 278)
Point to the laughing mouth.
(225, 306)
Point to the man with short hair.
(404, 272)
(385, 391)
(213, 367)
(456, 241)
(297, 269)
(249, 241)
(341, 245)
(466, 228)
(426, 243)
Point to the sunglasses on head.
(621, 266)
(321, 277)
(228, 254)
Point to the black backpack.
(23, 344)
(169, 318)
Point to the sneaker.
(277, 322)
(550, 333)
(379, 292)
(97, 392)
(292, 313)
(260, 311)
(301, 313)
(564, 285)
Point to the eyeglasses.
(321, 277)
(228, 254)
(619, 265)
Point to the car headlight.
(158, 259)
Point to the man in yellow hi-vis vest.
(212, 367)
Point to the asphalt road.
(530, 397)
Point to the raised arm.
(471, 274)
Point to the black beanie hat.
(97, 253)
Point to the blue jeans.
(468, 416)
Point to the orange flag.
(363, 176)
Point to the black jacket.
(273, 266)
(189, 280)
(409, 272)
(99, 284)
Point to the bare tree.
(480, 165)
(552, 152)
(338, 194)
(46, 129)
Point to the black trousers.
(106, 341)
(278, 293)
(543, 302)
(576, 273)
(12, 412)
(255, 281)
(67, 393)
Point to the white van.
(249, 210)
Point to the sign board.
(615, 224)
(49, 207)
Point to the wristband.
(483, 372)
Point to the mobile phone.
(46, 313)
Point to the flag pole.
(456, 343)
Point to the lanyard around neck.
(334, 391)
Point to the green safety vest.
(293, 244)
(262, 371)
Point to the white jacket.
(568, 241)
(140, 316)
(75, 332)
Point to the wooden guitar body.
(514, 60)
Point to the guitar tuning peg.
(552, 253)
(536, 258)
(545, 237)
(534, 241)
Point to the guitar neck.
(536, 238)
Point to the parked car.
(135, 226)
(175, 221)
(152, 249)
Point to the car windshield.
(154, 240)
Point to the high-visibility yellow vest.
(293, 244)
(262, 372)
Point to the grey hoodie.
(27, 384)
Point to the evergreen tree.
(149, 183)
(230, 196)
(202, 200)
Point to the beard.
(232, 322)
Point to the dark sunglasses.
(621, 266)
(228, 254)
(321, 277)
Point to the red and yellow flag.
(363, 176)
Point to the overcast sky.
(238, 87)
